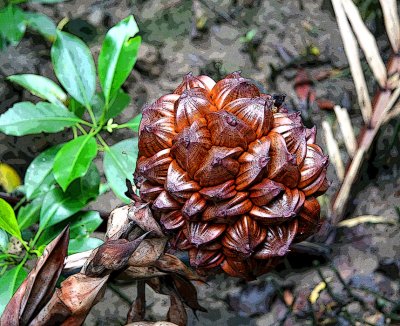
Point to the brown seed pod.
(230, 174)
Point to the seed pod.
(229, 174)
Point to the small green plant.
(14, 22)
(63, 179)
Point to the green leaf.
(117, 104)
(79, 245)
(8, 222)
(118, 56)
(41, 87)
(87, 187)
(74, 67)
(77, 108)
(119, 164)
(134, 123)
(29, 214)
(12, 24)
(73, 159)
(58, 206)
(81, 224)
(39, 177)
(25, 118)
(41, 24)
(9, 284)
(3, 241)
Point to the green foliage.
(63, 180)
(14, 22)
(9, 283)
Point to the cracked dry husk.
(230, 175)
(134, 250)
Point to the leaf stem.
(20, 203)
(74, 131)
(89, 108)
(103, 143)
(83, 131)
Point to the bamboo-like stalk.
(352, 53)
(347, 130)
(333, 150)
(392, 24)
(367, 42)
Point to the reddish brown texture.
(230, 174)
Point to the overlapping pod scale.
(155, 168)
(219, 166)
(220, 192)
(232, 87)
(194, 206)
(150, 191)
(200, 233)
(294, 133)
(278, 240)
(311, 135)
(155, 137)
(255, 112)
(200, 258)
(227, 130)
(191, 146)
(308, 219)
(282, 209)
(318, 186)
(190, 81)
(172, 220)
(178, 183)
(165, 202)
(241, 238)
(162, 108)
(237, 268)
(192, 105)
(265, 191)
(314, 164)
(282, 166)
(253, 163)
(180, 241)
(226, 211)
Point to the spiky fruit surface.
(230, 174)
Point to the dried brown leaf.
(177, 312)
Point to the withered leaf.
(177, 312)
(141, 214)
(112, 255)
(39, 286)
(118, 225)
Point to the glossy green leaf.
(74, 66)
(79, 245)
(118, 104)
(77, 108)
(8, 222)
(73, 159)
(119, 164)
(26, 118)
(12, 24)
(81, 225)
(58, 206)
(42, 24)
(88, 187)
(41, 87)
(3, 240)
(39, 176)
(118, 56)
(134, 123)
(29, 214)
(9, 283)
